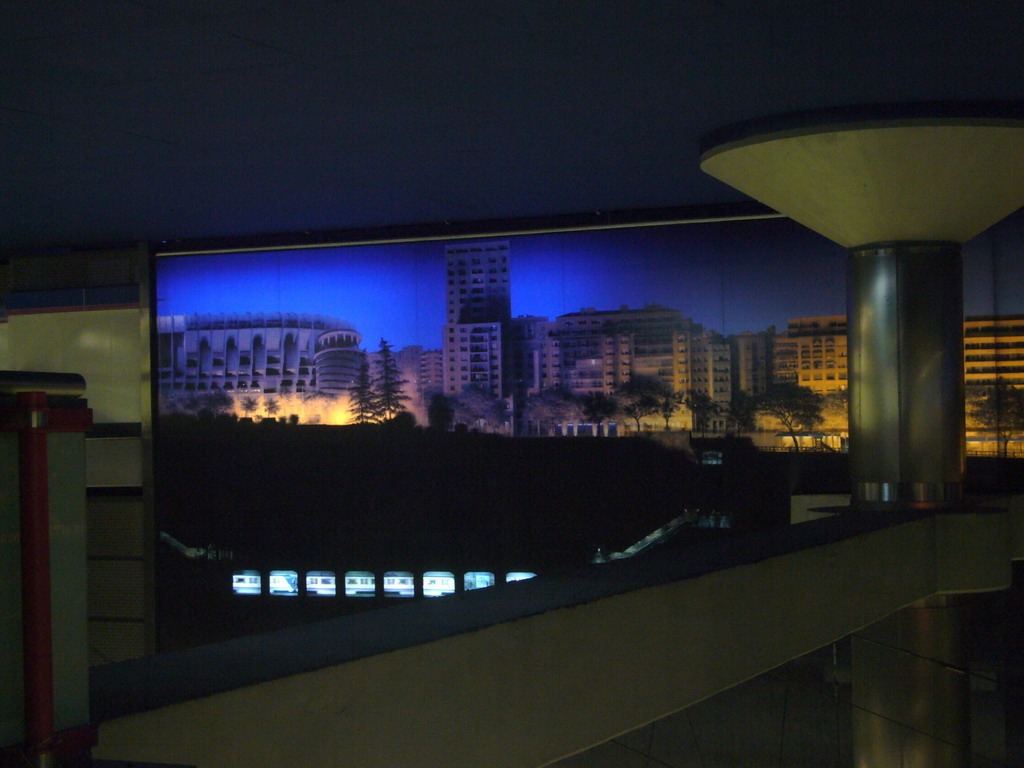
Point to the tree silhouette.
(703, 409)
(668, 403)
(742, 410)
(270, 407)
(476, 408)
(440, 412)
(797, 408)
(249, 405)
(215, 402)
(598, 407)
(1000, 409)
(641, 396)
(835, 410)
(364, 403)
(556, 405)
(390, 397)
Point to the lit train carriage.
(438, 583)
(477, 580)
(321, 583)
(246, 583)
(519, 576)
(284, 583)
(360, 584)
(399, 584)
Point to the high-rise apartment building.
(812, 353)
(603, 349)
(533, 356)
(994, 349)
(473, 358)
(709, 371)
(597, 349)
(421, 370)
(600, 350)
(478, 305)
(751, 356)
(431, 372)
(477, 282)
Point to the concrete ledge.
(539, 670)
(973, 551)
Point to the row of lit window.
(364, 583)
(245, 320)
(463, 262)
(478, 279)
(481, 338)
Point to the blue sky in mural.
(730, 277)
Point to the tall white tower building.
(479, 303)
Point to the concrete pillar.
(911, 689)
(905, 307)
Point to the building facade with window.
(751, 355)
(994, 350)
(254, 352)
(478, 305)
(812, 353)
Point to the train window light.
(284, 583)
(321, 583)
(364, 583)
(399, 584)
(360, 584)
(246, 582)
(437, 583)
(477, 580)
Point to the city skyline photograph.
(730, 277)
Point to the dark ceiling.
(158, 119)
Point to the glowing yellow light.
(310, 411)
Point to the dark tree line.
(797, 408)
(378, 396)
(473, 408)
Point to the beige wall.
(4, 347)
(105, 346)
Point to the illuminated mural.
(666, 330)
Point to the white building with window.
(255, 352)
(478, 305)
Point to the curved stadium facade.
(256, 352)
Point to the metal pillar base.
(905, 305)
(884, 495)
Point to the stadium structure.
(257, 352)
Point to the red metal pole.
(35, 578)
